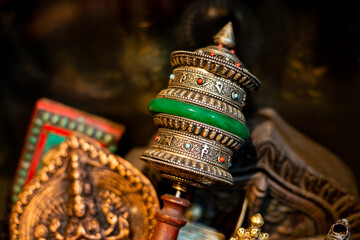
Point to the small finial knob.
(254, 231)
(226, 36)
(257, 220)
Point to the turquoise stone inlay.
(98, 134)
(72, 125)
(38, 122)
(22, 173)
(17, 189)
(35, 130)
(31, 147)
(112, 148)
(27, 157)
(81, 128)
(90, 131)
(107, 138)
(55, 119)
(32, 140)
(21, 181)
(46, 116)
(64, 121)
(25, 165)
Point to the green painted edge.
(197, 113)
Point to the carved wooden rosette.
(85, 192)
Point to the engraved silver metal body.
(212, 78)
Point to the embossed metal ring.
(206, 83)
(163, 120)
(202, 100)
(187, 170)
(197, 113)
(191, 155)
(216, 66)
(202, 149)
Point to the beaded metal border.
(220, 52)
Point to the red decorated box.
(50, 125)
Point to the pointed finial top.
(226, 36)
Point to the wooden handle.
(170, 218)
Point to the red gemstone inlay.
(200, 81)
(212, 54)
(232, 50)
(157, 138)
(222, 159)
(238, 64)
(220, 45)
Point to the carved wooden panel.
(301, 188)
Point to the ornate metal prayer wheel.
(200, 115)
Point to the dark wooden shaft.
(170, 218)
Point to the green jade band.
(196, 113)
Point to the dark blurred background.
(110, 57)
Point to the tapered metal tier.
(200, 115)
